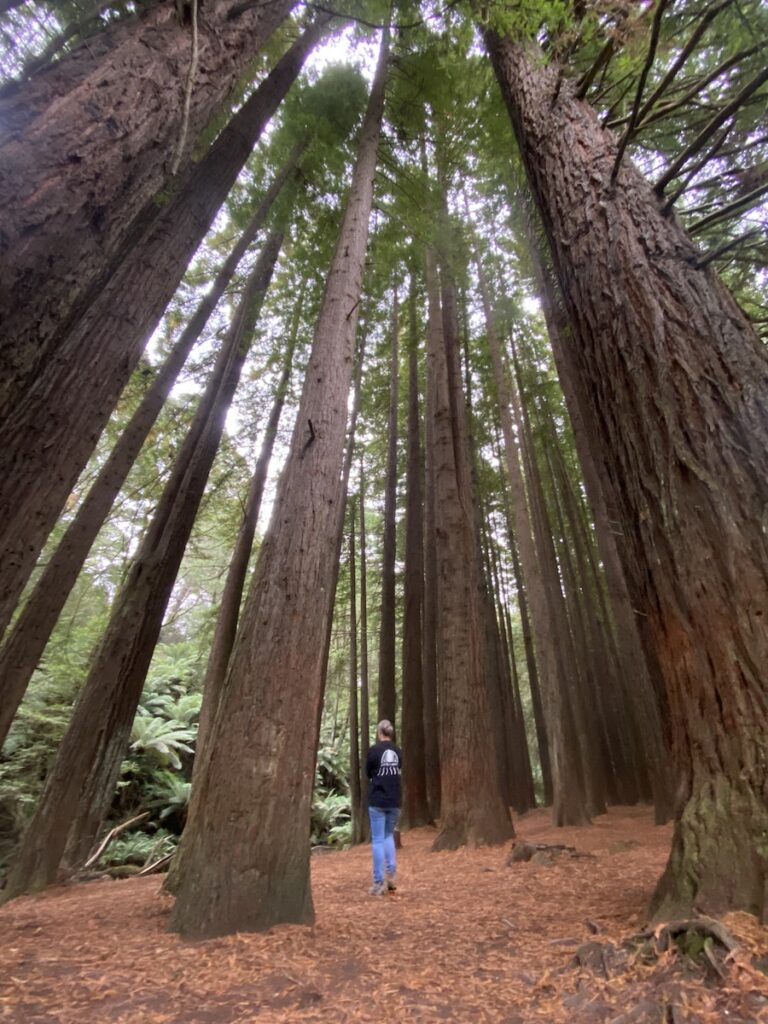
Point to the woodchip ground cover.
(465, 938)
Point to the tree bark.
(473, 810)
(245, 850)
(231, 599)
(355, 786)
(415, 803)
(568, 795)
(641, 676)
(387, 704)
(429, 625)
(365, 714)
(27, 640)
(90, 143)
(677, 379)
(81, 784)
(65, 409)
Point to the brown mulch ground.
(464, 939)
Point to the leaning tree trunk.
(638, 674)
(64, 411)
(685, 444)
(473, 810)
(26, 642)
(231, 599)
(245, 850)
(387, 705)
(415, 802)
(81, 784)
(90, 143)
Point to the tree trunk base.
(719, 856)
(215, 906)
(486, 831)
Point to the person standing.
(383, 765)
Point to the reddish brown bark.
(90, 142)
(473, 810)
(677, 379)
(568, 795)
(355, 777)
(387, 703)
(415, 803)
(81, 784)
(245, 851)
(231, 598)
(26, 642)
(640, 678)
(64, 411)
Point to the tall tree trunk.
(641, 677)
(579, 731)
(91, 142)
(25, 644)
(387, 705)
(429, 625)
(542, 741)
(365, 714)
(415, 803)
(683, 431)
(355, 788)
(245, 850)
(473, 810)
(568, 794)
(81, 784)
(231, 599)
(61, 417)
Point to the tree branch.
(730, 208)
(709, 130)
(661, 6)
(685, 53)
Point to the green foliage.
(138, 848)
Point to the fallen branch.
(149, 869)
(111, 835)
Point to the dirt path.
(464, 939)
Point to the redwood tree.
(90, 141)
(473, 810)
(677, 380)
(27, 639)
(81, 783)
(245, 852)
(64, 410)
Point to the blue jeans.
(383, 821)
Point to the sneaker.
(377, 889)
(391, 882)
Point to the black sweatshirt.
(382, 766)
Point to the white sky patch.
(343, 48)
(531, 305)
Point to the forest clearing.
(463, 939)
(384, 453)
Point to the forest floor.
(465, 938)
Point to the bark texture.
(81, 784)
(473, 810)
(387, 705)
(677, 380)
(26, 642)
(415, 803)
(231, 598)
(245, 851)
(89, 143)
(568, 797)
(63, 412)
